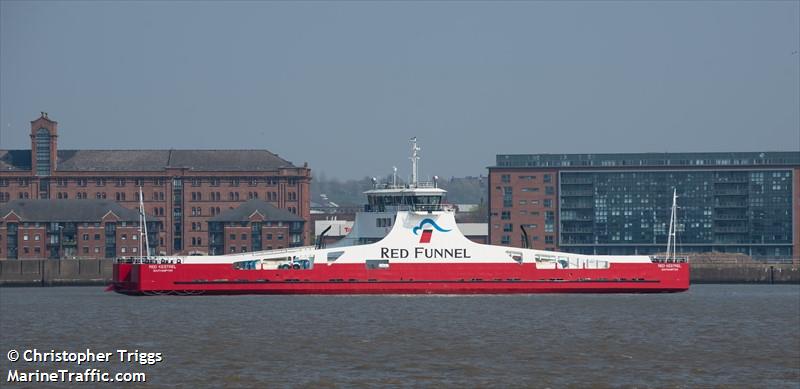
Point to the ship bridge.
(416, 196)
(422, 197)
(385, 200)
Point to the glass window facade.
(723, 159)
(627, 211)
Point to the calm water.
(728, 335)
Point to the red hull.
(442, 278)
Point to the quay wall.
(750, 273)
(53, 272)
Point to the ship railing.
(665, 259)
(410, 207)
(419, 185)
(282, 251)
(174, 260)
(426, 207)
(147, 260)
(127, 259)
(425, 184)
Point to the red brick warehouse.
(183, 189)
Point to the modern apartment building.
(738, 202)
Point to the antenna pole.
(414, 159)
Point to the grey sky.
(343, 85)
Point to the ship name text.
(422, 252)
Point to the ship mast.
(143, 228)
(671, 240)
(414, 158)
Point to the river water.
(713, 335)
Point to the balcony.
(574, 180)
(577, 218)
(730, 192)
(731, 230)
(730, 217)
(570, 205)
(731, 180)
(577, 193)
(731, 204)
(566, 241)
(731, 241)
(577, 230)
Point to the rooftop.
(714, 159)
(67, 210)
(243, 212)
(150, 160)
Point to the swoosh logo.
(425, 222)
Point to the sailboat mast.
(672, 225)
(143, 226)
(141, 256)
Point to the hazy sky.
(343, 85)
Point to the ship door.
(377, 264)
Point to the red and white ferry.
(423, 252)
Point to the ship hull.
(411, 278)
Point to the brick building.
(70, 229)
(523, 198)
(182, 189)
(254, 226)
(619, 204)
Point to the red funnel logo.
(426, 236)
(426, 232)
